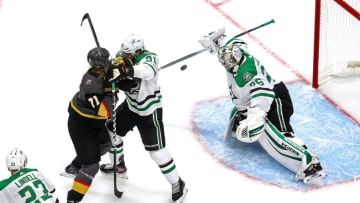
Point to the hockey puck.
(183, 67)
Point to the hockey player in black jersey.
(88, 110)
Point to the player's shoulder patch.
(246, 72)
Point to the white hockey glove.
(208, 41)
(250, 129)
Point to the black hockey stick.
(116, 191)
(87, 16)
(201, 51)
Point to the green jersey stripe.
(147, 106)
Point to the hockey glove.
(256, 121)
(210, 41)
(250, 129)
(207, 43)
(120, 69)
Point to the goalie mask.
(230, 56)
(16, 160)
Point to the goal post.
(336, 40)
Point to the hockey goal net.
(336, 40)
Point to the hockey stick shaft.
(203, 50)
(87, 16)
(183, 58)
(113, 90)
(255, 28)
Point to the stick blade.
(118, 193)
(86, 16)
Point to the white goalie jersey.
(250, 85)
(27, 185)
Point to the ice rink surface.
(43, 57)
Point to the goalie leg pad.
(166, 164)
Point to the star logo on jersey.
(88, 82)
(247, 76)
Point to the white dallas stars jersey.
(27, 185)
(146, 97)
(251, 85)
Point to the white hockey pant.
(287, 151)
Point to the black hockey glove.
(120, 69)
(127, 84)
(115, 73)
(129, 67)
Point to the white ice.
(43, 57)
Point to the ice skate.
(70, 171)
(179, 191)
(108, 169)
(314, 174)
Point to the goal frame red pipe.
(349, 9)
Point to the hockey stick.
(116, 191)
(87, 16)
(201, 51)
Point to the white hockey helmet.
(16, 160)
(131, 44)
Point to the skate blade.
(121, 175)
(67, 175)
(182, 197)
(315, 179)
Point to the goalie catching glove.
(120, 69)
(251, 128)
(210, 41)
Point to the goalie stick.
(116, 191)
(203, 50)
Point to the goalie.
(262, 108)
